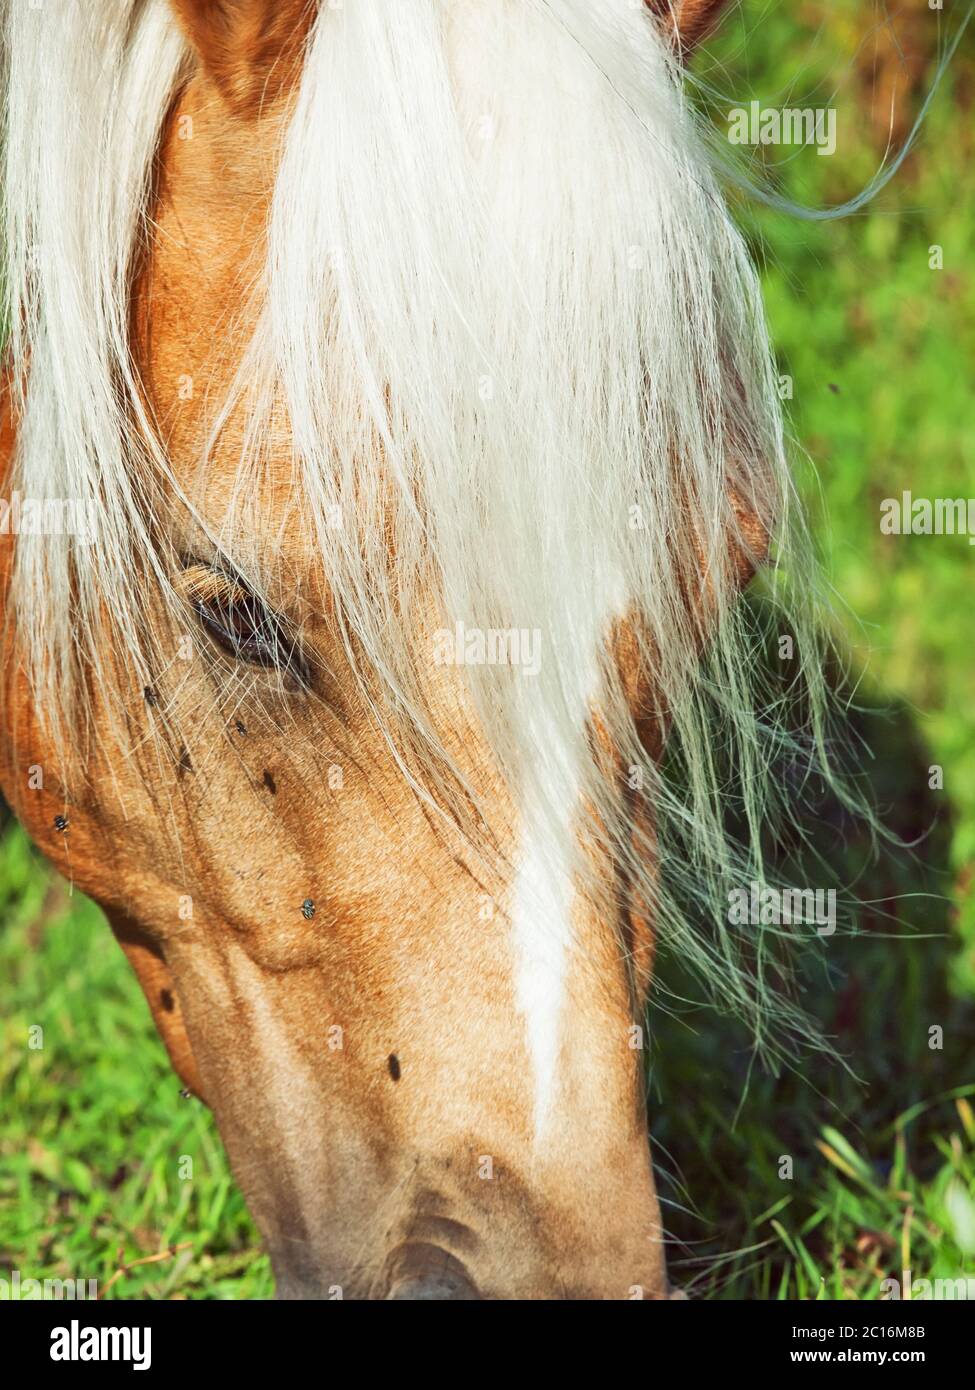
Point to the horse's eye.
(240, 623)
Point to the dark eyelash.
(264, 649)
(244, 628)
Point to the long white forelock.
(486, 256)
(498, 262)
(86, 88)
(497, 248)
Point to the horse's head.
(415, 410)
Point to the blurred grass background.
(880, 349)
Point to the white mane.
(498, 253)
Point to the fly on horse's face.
(421, 1045)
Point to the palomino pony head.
(415, 381)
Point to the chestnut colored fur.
(251, 52)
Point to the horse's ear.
(686, 21)
(251, 49)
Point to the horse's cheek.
(67, 830)
(19, 768)
(36, 801)
(147, 960)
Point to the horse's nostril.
(423, 1271)
(440, 1284)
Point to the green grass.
(93, 1128)
(95, 1136)
(879, 347)
(862, 1228)
(874, 1140)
